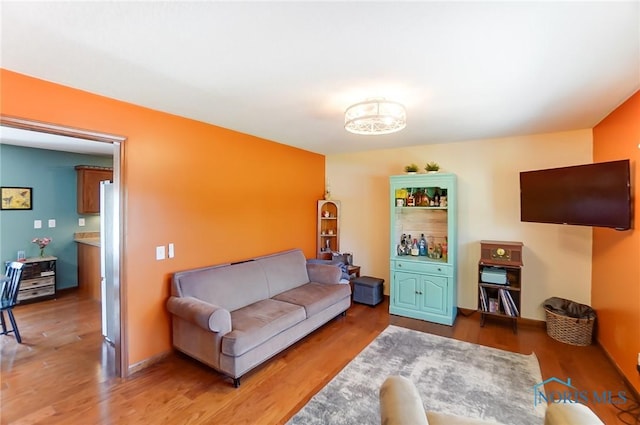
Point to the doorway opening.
(117, 356)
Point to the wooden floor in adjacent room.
(59, 376)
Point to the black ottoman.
(367, 290)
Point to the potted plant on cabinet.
(411, 168)
(432, 167)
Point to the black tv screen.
(596, 194)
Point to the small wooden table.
(353, 270)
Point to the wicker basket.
(569, 329)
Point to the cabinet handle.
(439, 269)
(400, 265)
(419, 292)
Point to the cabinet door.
(406, 288)
(89, 189)
(435, 291)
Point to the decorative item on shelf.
(327, 191)
(411, 168)
(432, 167)
(42, 244)
(411, 199)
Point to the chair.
(9, 298)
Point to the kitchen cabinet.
(89, 279)
(88, 184)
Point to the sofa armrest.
(570, 413)
(400, 403)
(208, 316)
(323, 273)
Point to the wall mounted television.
(596, 195)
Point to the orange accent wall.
(217, 194)
(615, 289)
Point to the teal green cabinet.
(423, 278)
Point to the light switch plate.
(52, 222)
(160, 253)
(172, 252)
(81, 222)
(37, 224)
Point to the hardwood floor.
(58, 375)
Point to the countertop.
(87, 238)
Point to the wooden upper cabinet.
(89, 178)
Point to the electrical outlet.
(160, 253)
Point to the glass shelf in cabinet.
(421, 208)
(420, 258)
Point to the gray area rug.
(452, 377)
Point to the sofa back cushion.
(229, 286)
(284, 271)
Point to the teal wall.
(52, 176)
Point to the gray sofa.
(234, 317)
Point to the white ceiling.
(286, 71)
(20, 137)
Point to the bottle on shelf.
(407, 246)
(422, 246)
(431, 246)
(411, 200)
(415, 251)
(401, 247)
(445, 248)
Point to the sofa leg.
(236, 382)
(344, 313)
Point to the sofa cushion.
(257, 323)
(315, 297)
(284, 271)
(230, 286)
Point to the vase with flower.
(42, 244)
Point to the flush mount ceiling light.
(375, 116)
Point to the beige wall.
(557, 258)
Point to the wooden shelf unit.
(328, 232)
(38, 280)
(501, 300)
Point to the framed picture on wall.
(16, 198)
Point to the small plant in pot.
(432, 167)
(411, 168)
